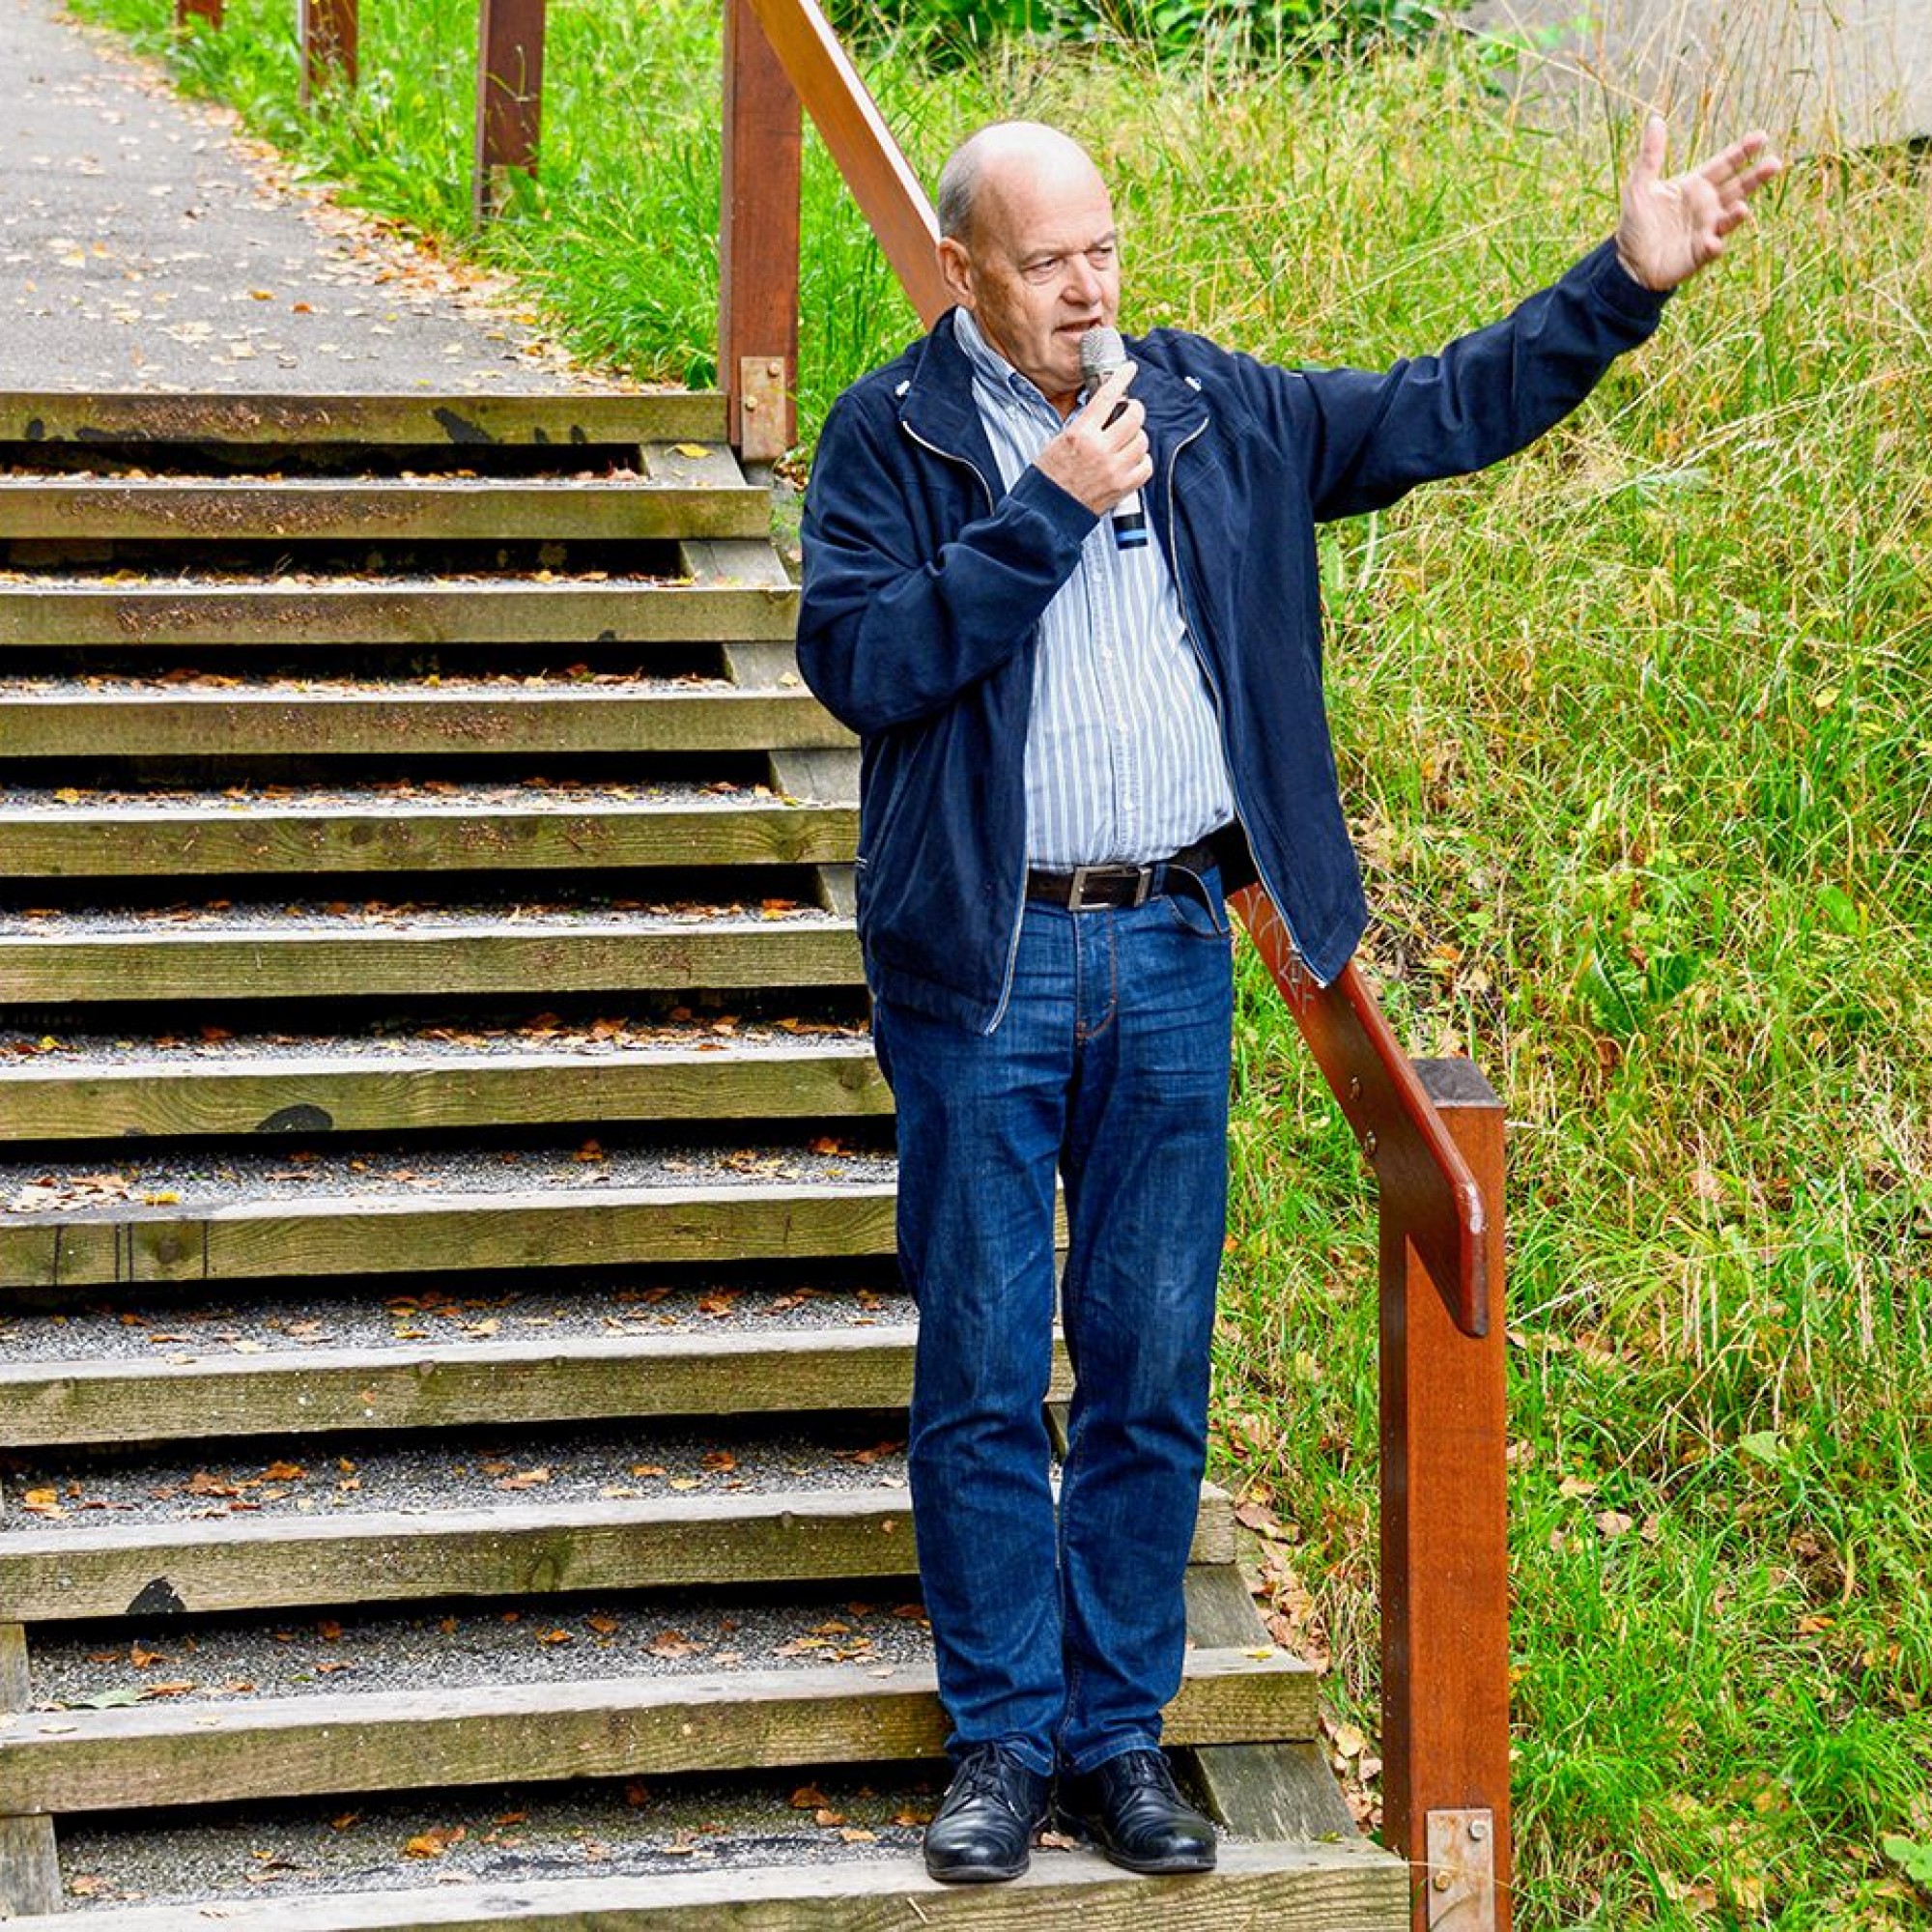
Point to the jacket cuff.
(1619, 289)
(1072, 521)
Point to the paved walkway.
(1818, 73)
(146, 244)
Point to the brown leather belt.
(1088, 888)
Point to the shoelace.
(983, 1774)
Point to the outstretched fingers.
(1742, 169)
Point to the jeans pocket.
(1194, 903)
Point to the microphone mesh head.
(1101, 353)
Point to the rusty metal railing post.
(330, 36)
(757, 241)
(509, 98)
(1445, 1593)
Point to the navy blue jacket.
(924, 582)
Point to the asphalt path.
(146, 243)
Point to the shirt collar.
(991, 370)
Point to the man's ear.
(956, 269)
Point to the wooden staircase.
(448, 1339)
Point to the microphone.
(1101, 353)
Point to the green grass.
(1636, 734)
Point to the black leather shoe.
(982, 1831)
(1130, 1809)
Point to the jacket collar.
(935, 400)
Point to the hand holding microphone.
(1102, 354)
(1101, 456)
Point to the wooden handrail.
(1423, 1177)
(1433, 1131)
(856, 136)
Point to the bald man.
(1075, 742)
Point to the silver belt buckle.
(1077, 897)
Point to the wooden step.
(378, 511)
(250, 1564)
(340, 1235)
(457, 419)
(387, 833)
(393, 720)
(1312, 1886)
(429, 1384)
(544, 953)
(815, 1535)
(611, 1727)
(304, 616)
(378, 1085)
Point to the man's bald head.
(985, 169)
(1028, 248)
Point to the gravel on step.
(230, 1859)
(729, 1307)
(457, 1041)
(520, 1470)
(188, 576)
(217, 918)
(612, 687)
(178, 1180)
(415, 799)
(451, 1648)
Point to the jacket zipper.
(1214, 690)
(967, 464)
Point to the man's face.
(1040, 267)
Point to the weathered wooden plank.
(796, 1536)
(282, 1563)
(1444, 1509)
(1272, 1888)
(1274, 1791)
(364, 511)
(449, 1384)
(363, 1234)
(757, 238)
(766, 665)
(501, 613)
(261, 963)
(422, 720)
(829, 774)
(375, 1091)
(330, 36)
(121, 416)
(856, 135)
(29, 1860)
(414, 835)
(509, 97)
(111, 1760)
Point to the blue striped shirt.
(1124, 758)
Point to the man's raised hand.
(1671, 228)
(1101, 456)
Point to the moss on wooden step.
(425, 1384)
(67, 1097)
(445, 835)
(58, 965)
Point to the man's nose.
(1082, 282)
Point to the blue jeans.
(1063, 1641)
